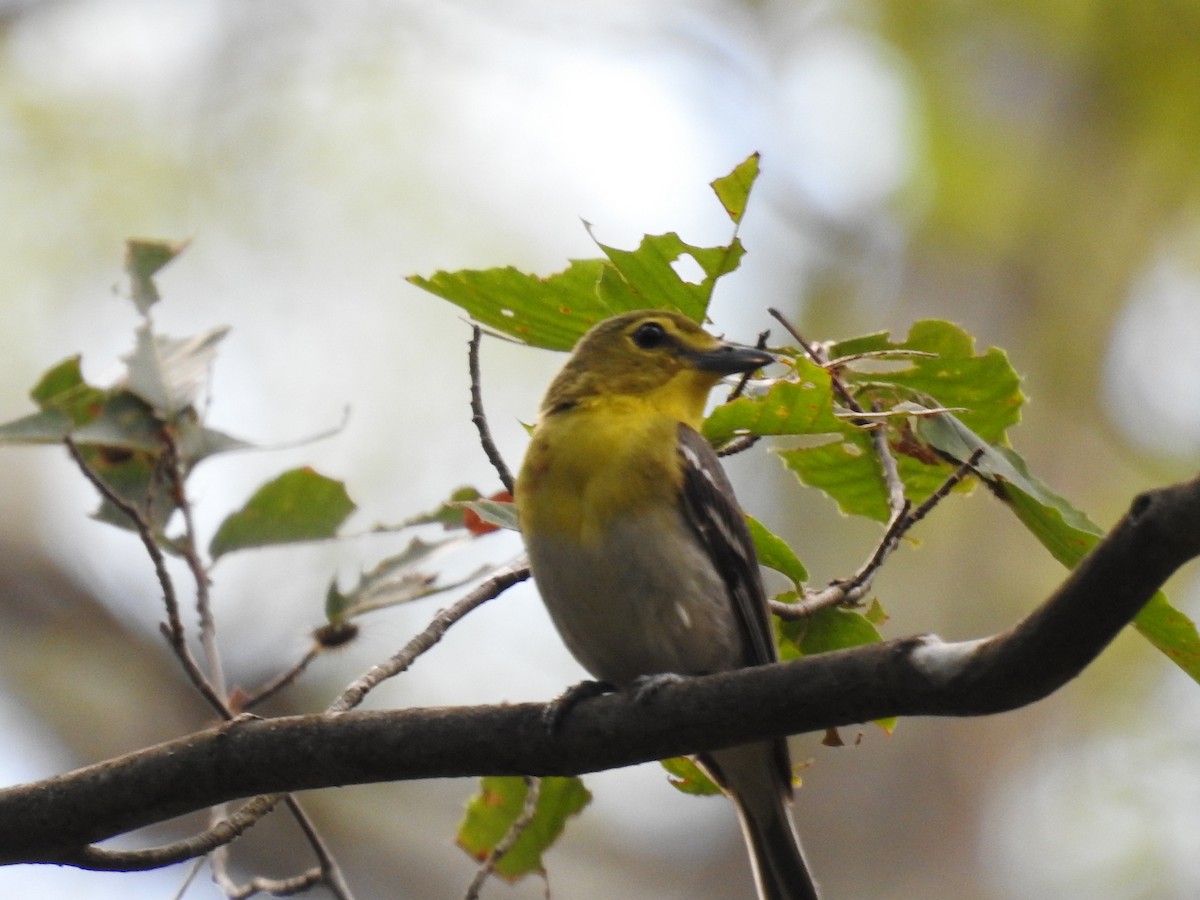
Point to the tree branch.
(55, 820)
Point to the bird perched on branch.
(641, 552)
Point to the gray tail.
(757, 779)
(775, 854)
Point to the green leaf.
(300, 505)
(733, 190)
(984, 385)
(832, 628)
(143, 259)
(846, 470)
(688, 778)
(1066, 532)
(774, 553)
(123, 421)
(648, 278)
(168, 373)
(788, 407)
(62, 388)
(551, 312)
(953, 375)
(554, 311)
(500, 802)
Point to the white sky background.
(316, 158)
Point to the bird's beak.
(730, 359)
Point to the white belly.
(645, 615)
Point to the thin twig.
(819, 358)
(891, 473)
(739, 444)
(477, 414)
(327, 871)
(219, 835)
(172, 629)
(228, 828)
(279, 682)
(740, 388)
(331, 872)
(854, 588)
(533, 789)
(944, 489)
(504, 578)
(189, 549)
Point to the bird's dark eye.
(649, 335)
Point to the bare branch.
(498, 583)
(189, 549)
(55, 820)
(477, 414)
(172, 629)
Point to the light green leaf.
(733, 190)
(774, 553)
(789, 407)
(846, 470)
(688, 778)
(500, 802)
(551, 312)
(300, 505)
(832, 628)
(62, 387)
(1066, 532)
(648, 278)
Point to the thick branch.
(53, 820)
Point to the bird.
(641, 552)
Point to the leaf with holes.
(500, 802)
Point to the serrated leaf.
(556, 310)
(774, 553)
(169, 373)
(300, 505)
(1066, 532)
(984, 385)
(501, 800)
(688, 778)
(551, 312)
(648, 278)
(788, 407)
(143, 259)
(846, 470)
(733, 190)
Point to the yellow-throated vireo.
(641, 552)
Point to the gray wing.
(712, 510)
